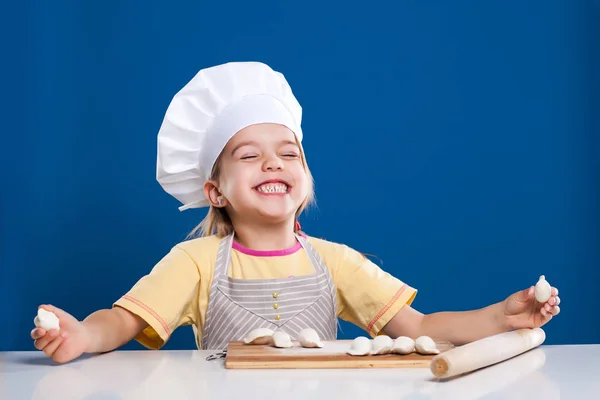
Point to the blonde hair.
(217, 222)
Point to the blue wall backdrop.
(458, 141)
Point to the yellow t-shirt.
(176, 291)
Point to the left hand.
(522, 310)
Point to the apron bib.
(237, 306)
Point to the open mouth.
(273, 187)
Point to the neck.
(265, 237)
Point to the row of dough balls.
(360, 346)
(382, 344)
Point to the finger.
(37, 333)
(49, 307)
(546, 316)
(52, 346)
(555, 310)
(525, 294)
(530, 292)
(63, 353)
(548, 308)
(554, 291)
(41, 343)
(553, 301)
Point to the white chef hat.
(202, 117)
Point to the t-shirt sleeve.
(164, 298)
(368, 296)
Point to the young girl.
(231, 141)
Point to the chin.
(276, 213)
(274, 216)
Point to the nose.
(272, 163)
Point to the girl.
(231, 141)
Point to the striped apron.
(237, 306)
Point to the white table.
(546, 373)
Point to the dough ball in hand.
(46, 320)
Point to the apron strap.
(223, 257)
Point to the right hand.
(71, 342)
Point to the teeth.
(273, 188)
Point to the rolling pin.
(484, 352)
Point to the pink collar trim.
(267, 253)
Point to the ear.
(214, 196)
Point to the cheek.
(301, 180)
(234, 182)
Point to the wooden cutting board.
(332, 355)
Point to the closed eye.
(247, 157)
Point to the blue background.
(457, 141)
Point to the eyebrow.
(253, 143)
(236, 148)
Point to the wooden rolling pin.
(484, 352)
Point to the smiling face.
(262, 175)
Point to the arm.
(456, 327)
(112, 328)
(102, 331)
(519, 310)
